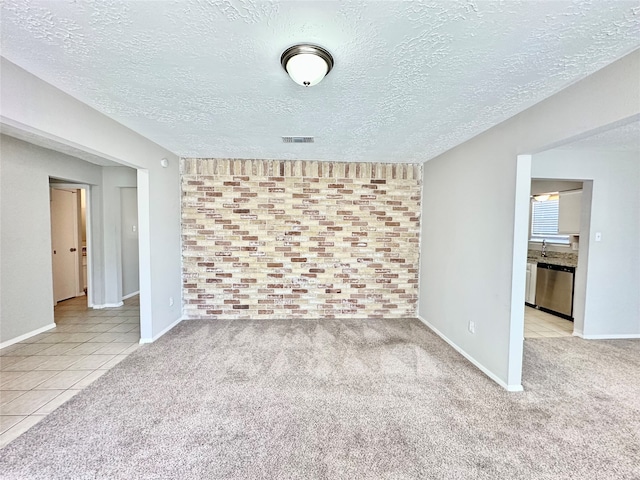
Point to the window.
(544, 220)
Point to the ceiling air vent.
(297, 139)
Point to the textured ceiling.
(411, 80)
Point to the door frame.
(89, 224)
(521, 245)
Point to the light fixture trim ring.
(308, 49)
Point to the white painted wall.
(26, 289)
(113, 179)
(35, 107)
(611, 271)
(130, 259)
(474, 209)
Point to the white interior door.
(64, 243)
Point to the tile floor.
(41, 373)
(538, 324)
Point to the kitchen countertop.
(554, 258)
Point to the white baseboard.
(156, 337)
(27, 335)
(131, 295)
(620, 336)
(107, 305)
(491, 375)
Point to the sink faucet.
(544, 248)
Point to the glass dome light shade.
(307, 69)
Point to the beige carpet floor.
(381, 399)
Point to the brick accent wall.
(293, 239)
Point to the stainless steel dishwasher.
(554, 289)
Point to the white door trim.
(89, 221)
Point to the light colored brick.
(279, 239)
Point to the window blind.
(545, 218)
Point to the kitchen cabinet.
(530, 292)
(569, 212)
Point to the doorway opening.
(129, 249)
(555, 213)
(69, 241)
(522, 281)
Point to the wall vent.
(297, 139)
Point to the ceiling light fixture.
(543, 197)
(306, 64)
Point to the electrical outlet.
(171, 301)
(472, 326)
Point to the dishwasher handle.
(560, 268)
